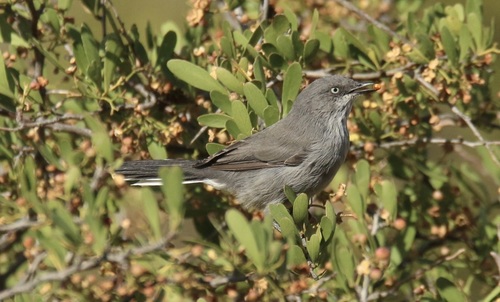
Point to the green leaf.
(291, 85)
(221, 100)
(280, 214)
(258, 70)
(475, 26)
(9, 36)
(64, 4)
(194, 75)
(151, 210)
(214, 120)
(310, 49)
(290, 194)
(449, 45)
(277, 61)
(49, 155)
(313, 245)
(343, 259)
(292, 18)
(173, 189)
(271, 115)
(271, 98)
(465, 43)
(7, 88)
(112, 55)
(255, 98)
(91, 49)
(73, 176)
(240, 228)
(449, 291)
(285, 47)
(100, 138)
(380, 38)
(81, 59)
(166, 51)
(295, 256)
(325, 41)
(229, 80)
(330, 213)
(213, 148)
(51, 241)
(386, 191)
(327, 227)
(279, 26)
(233, 128)
(227, 47)
(241, 118)
(341, 47)
(362, 177)
(64, 221)
(156, 149)
(356, 201)
(314, 21)
(300, 209)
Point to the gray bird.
(304, 150)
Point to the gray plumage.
(303, 151)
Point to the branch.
(53, 123)
(82, 265)
(351, 7)
(476, 132)
(148, 95)
(418, 274)
(21, 224)
(455, 141)
(361, 76)
(40, 122)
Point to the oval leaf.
(300, 206)
(229, 80)
(194, 75)
(291, 85)
(214, 120)
(241, 117)
(241, 229)
(255, 98)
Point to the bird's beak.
(365, 88)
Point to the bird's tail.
(145, 172)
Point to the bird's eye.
(335, 90)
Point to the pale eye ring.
(335, 90)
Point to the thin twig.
(71, 129)
(40, 122)
(222, 280)
(33, 267)
(53, 123)
(363, 291)
(427, 85)
(419, 273)
(84, 265)
(351, 7)
(148, 95)
(27, 222)
(375, 223)
(21, 224)
(361, 76)
(202, 130)
(424, 140)
(476, 132)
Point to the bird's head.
(332, 95)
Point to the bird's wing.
(250, 154)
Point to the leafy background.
(412, 215)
